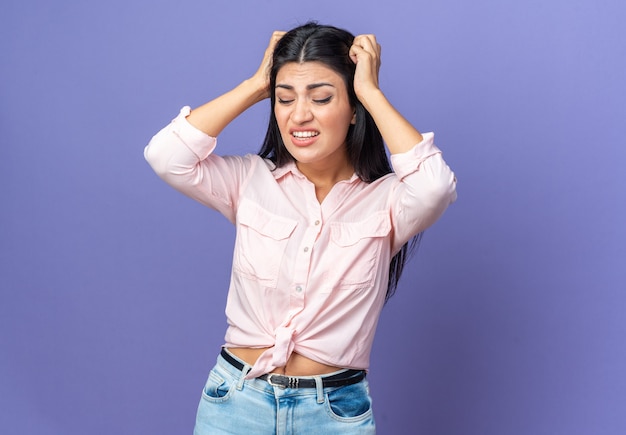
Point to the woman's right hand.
(214, 116)
(262, 75)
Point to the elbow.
(159, 154)
(154, 159)
(437, 183)
(448, 189)
(434, 205)
(437, 199)
(442, 192)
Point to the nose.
(301, 112)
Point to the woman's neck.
(324, 178)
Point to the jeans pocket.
(217, 387)
(349, 403)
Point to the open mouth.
(304, 134)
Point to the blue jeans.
(232, 405)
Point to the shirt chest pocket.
(355, 251)
(262, 239)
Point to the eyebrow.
(308, 87)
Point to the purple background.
(511, 317)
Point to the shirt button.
(299, 289)
(317, 222)
(306, 249)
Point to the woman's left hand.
(398, 133)
(365, 53)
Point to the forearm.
(214, 116)
(398, 133)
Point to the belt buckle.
(281, 381)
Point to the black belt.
(347, 377)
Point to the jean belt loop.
(319, 386)
(244, 371)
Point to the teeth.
(304, 134)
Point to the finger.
(277, 35)
(368, 54)
(367, 42)
(356, 52)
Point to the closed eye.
(285, 102)
(323, 100)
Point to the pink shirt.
(307, 277)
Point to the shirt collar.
(292, 168)
(285, 169)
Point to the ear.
(353, 120)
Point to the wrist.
(256, 89)
(371, 97)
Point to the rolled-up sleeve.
(427, 187)
(183, 157)
(165, 146)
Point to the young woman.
(322, 230)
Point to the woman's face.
(313, 113)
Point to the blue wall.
(112, 286)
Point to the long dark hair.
(330, 45)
